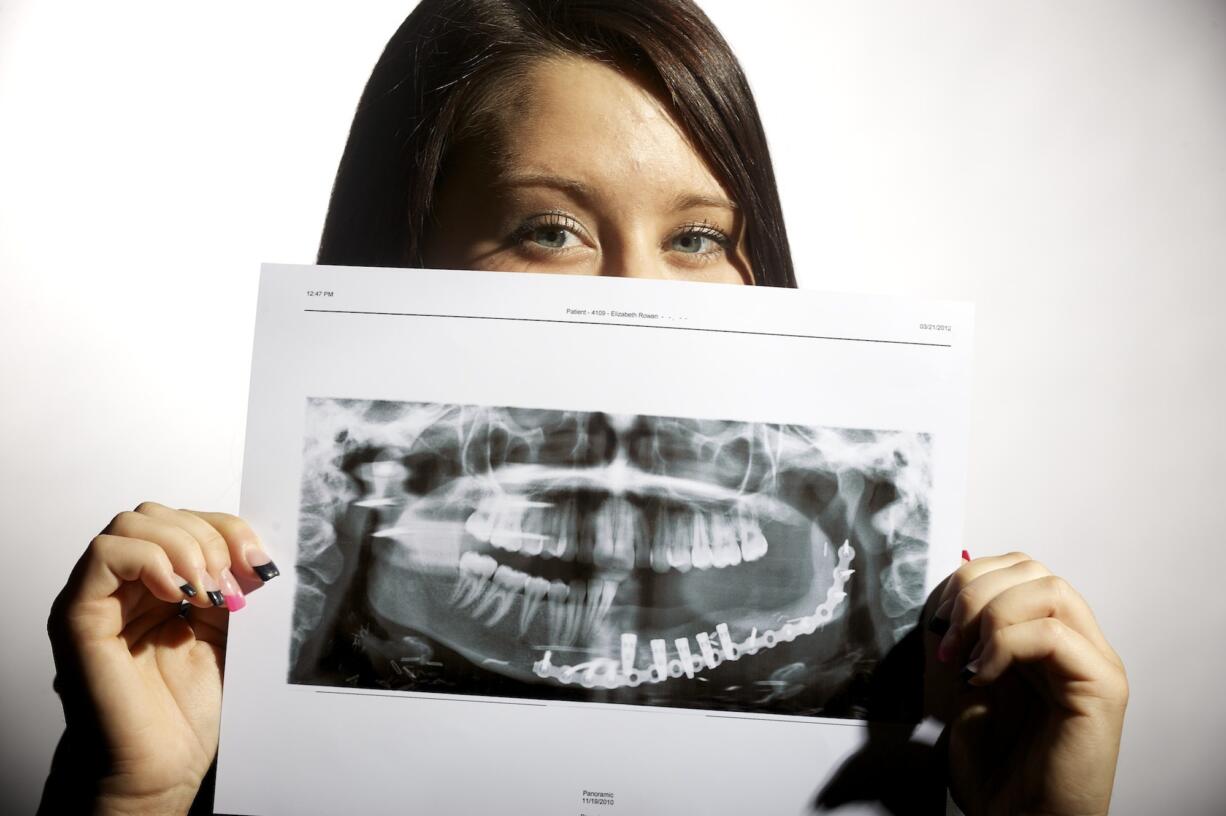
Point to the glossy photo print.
(577, 555)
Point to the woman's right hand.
(139, 677)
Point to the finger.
(108, 564)
(1049, 596)
(214, 546)
(969, 571)
(974, 596)
(934, 599)
(209, 625)
(249, 560)
(1071, 664)
(181, 547)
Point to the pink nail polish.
(229, 589)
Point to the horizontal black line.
(636, 326)
(799, 720)
(793, 720)
(440, 698)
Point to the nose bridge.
(629, 251)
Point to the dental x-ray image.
(588, 556)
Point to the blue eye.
(550, 232)
(553, 237)
(698, 239)
(692, 243)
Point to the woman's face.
(582, 171)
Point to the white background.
(1062, 165)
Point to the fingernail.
(262, 564)
(185, 585)
(978, 650)
(940, 619)
(938, 625)
(212, 590)
(970, 671)
(966, 556)
(948, 647)
(233, 595)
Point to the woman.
(518, 135)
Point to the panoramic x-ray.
(588, 556)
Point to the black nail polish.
(966, 674)
(216, 599)
(267, 571)
(938, 625)
(188, 590)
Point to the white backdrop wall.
(1062, 165)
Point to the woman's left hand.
(1032, 693)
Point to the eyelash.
(707, 230)
(555, 219)
(558, 219)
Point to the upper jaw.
(617, 534)
(616, 478)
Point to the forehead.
(585, 120)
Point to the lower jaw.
(734, 641)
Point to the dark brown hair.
(448, 54)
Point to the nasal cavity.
(606, 434)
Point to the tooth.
(504, 605)
(512, 583)
(724, 548)
(590, 602)
(653, 524)
(484, 567)
(626, 532)
(725, 642)
(681, 539)
(599, 534)
(575, 602)
(661, 541)
(466, 577)
(534, 535)
(607, 595)
(380, 475)
(687, 657)
(497, 590)
(753, 543)
(557, 610)
(534, 592)
(629, 647)
(564, 545)
(701, 553)
(490, 595)
(659, 656)
(704, 646)
(481, 523)
(599, 599)
(508, 529)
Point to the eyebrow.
(575, 188)
(584, 193)
(691, 200)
